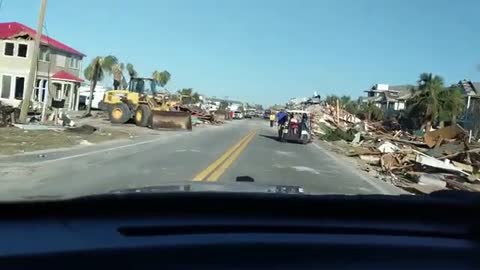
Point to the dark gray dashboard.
(240, 231)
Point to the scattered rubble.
(69, 129)
(8, 114)
(85, 142)
(417, 162)
(199, 115)
(84, 129)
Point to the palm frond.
(131, 70)
(88, 72)
(108, 63)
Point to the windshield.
(309, 98)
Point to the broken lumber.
(433, 138)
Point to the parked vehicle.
(97, 101)
(238, 115)
(266, 114)
(250, 114)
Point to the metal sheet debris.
(435, 163)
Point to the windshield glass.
(306, 97)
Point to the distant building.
(388, 97)
(229, 101)
(471, 118)
(59, 67)
(232, 105)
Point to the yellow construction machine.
(147, 106)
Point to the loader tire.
(142, 115)
(119, 113)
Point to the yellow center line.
(207, 171)
(225, 165)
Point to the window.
(58, 91)
(44, 90)
(36, 92)
(60, 60)
(44, 54)
(22, 50)
(6, 85)
(40, 87)
(74, 62)
(9, 48)
(19, 87)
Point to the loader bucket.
(171, 120)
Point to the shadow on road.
(276, 139)
(269, 137)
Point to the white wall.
(14, 67)
(14, 64)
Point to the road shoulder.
(356, 167)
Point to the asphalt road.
(243, 148)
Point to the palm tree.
(162, 78)
(344, 100)
(428, 98)
(452, 102)
(331, 100)
(186, 91)
(118, 78)
(351, 107)
(347, 104)
(95, 72)
(371, 111)
(131, 71)
(195, 97)
(223, 105)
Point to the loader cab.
(144, 86)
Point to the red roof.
(12, 29)
(65, 76)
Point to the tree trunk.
(442, 124)
(92, 89)
(428, 126)
(454, 120)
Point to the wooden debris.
(396, 156)
(436, 137)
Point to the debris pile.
(8, 115)
(419, 163)
(199, 115)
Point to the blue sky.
(267, 51)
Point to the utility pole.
(33, 66)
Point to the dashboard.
(241, 231)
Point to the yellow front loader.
(146, 106)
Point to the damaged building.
(387, 97)
(58, 73)
(470, 119)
